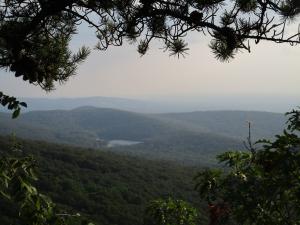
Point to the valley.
(188, 138)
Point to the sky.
(267, 76)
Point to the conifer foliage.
(35, 34)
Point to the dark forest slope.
(108, 188)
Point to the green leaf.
(24, 104)
(16, 113)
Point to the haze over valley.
(167, 104)
(192, 138)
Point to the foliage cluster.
(12, 104)
(170, 212)
(261, 186)
(22, 202)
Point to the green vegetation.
(186, 148)
(21, 202)
(170, 212)
(261, 186)
(103, 187)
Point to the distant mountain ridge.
(164, 105)
(186, 137)
(135, 105)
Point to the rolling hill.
(230, 123)
(192, 138)
(134, 105)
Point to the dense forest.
(104, 187)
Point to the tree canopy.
(260, 186)
(35, 34)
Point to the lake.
(115, 143)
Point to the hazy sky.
(270, 71)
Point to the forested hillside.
(83, 126)
(191, 138)
(107, 188)
(230, 123)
